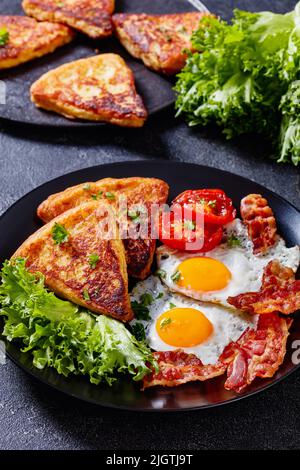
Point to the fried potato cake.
(79, 264)
(99, 88)
(159, 40)
(28, 39)
(147, 191)
(91, 17)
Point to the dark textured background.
(35, 417)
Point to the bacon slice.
(258, 353)
(280, 292)
(178, 367)
(260, 221)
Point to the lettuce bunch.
(244, 77)
(64, 336)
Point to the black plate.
(155, 89)
(20, 221)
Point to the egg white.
(245, 267)
(228, 325)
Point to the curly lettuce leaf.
(64, 336)
(289, 141)
(291, 59)
(240, 71)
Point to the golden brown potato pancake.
(139, 253)
(159, 40)
(99, 88)
(28, 39)
(91, 17)
(101, 286)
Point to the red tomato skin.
(212, 237)
(225, 212)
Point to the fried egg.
(228, 270)
(177, 322)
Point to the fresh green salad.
(64, 336)
(244, 77)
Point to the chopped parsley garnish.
(110, 196)
(171, 305)
(161, 273)
(4, 36)
(159, 296)
(146, 299)
(93, 260)
(232, 240)
(138, 331)
(175, 276)
(165, 322)
(134, 215)
(141, 311)
(86, 187)
(97, 196)
(85, 294)
(59, 234)
(212, 203)
(189, 225)
(140, 308)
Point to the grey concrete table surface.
(33, 416)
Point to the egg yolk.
(183, 327)
(203, 274)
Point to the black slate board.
(20, 221)
(155, 89)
